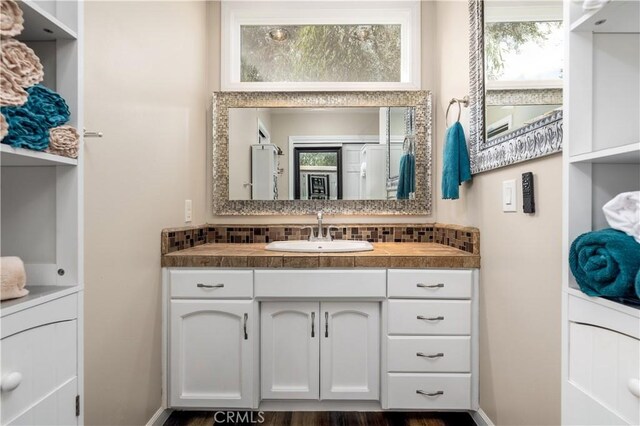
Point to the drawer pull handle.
(422, 285)
(421, 392)
(421, 317)
(634, 387)
(10, 381)
(438, 355)
(313, 324)
(246, 318)
(200, 285)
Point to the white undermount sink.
(336, 246)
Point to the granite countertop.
(384, 255)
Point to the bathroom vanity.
(393, 328)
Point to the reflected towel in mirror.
(406, 177)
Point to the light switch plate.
(509, 196)
(188, 210)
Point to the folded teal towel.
(29, 124)
(606, 263)
(26, 129)
(48, 104)
(455, 162)
(407, 177)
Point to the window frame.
(237, 13)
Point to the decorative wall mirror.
(516, 51)
(339, 152)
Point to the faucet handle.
(329, 228)
(311, 236)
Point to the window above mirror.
(303, 46)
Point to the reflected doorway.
(318, 173)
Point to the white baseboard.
(481, 418)
(159, 417)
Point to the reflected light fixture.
(362, 32)
(279, 34)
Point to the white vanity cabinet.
(211, 339)
(350, 350)
(272, 337)
(320, 350)
(432, 340)
(290, 350)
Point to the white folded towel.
(12, 278)
(623, 213)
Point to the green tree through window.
(322, 53)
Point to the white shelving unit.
(42, 223)
(600, 337)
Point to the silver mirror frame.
(420, 100)
(538, 139)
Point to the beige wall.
(520, 278)
(151, 159)
(156, 122)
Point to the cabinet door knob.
(634, 387)
(438, 355)
(423, 285)
(200, 285)
(422, 317)
(421, 392)
(10, 381)
(313, 324)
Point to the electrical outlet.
(188, 210)
(509, 196)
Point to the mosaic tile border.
(460, 237)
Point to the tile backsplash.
(460, 237)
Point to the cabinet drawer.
(606, 366)
(430, 284)
(322, 283)
(430, 317)
(35, 363)
(440, 391)
(429, 354)
(211, 284)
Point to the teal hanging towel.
(455, 162)
(406, 177)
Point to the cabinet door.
(290, 350)
(211, 352)
(350, 350)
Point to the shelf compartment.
(625, 154)
(21, 157)
(38, 294)
(620, 16)
(40, 25)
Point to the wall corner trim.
(481, 418)
(160, 416)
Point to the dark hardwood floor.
(320, 418)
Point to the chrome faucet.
(320, 235)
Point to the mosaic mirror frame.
(420, 100)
